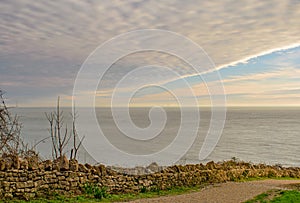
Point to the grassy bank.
(94, 196)
(276, 196)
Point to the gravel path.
(225, 192)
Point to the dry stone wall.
(26, 181)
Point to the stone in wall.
(63, 163)
(73, 165)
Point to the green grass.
(287, 196)
(281, 196)
(154, 193)
(273, 196)
(266, 178)
(91, 198)
(259, 198)
(57, 200)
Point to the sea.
(269, 135)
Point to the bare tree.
(76, 146)
(59, 135)
(10, 129)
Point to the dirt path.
(225, 192)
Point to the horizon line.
(149, 106)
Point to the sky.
(254, 45)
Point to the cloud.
(228, 30)
(257, 88)
(38, 37)
(251, 57)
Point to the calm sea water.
(259, 135)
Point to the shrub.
(143, 189)
(96, 191)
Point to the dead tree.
(10, 129)
(76, 146)
(60, 134)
